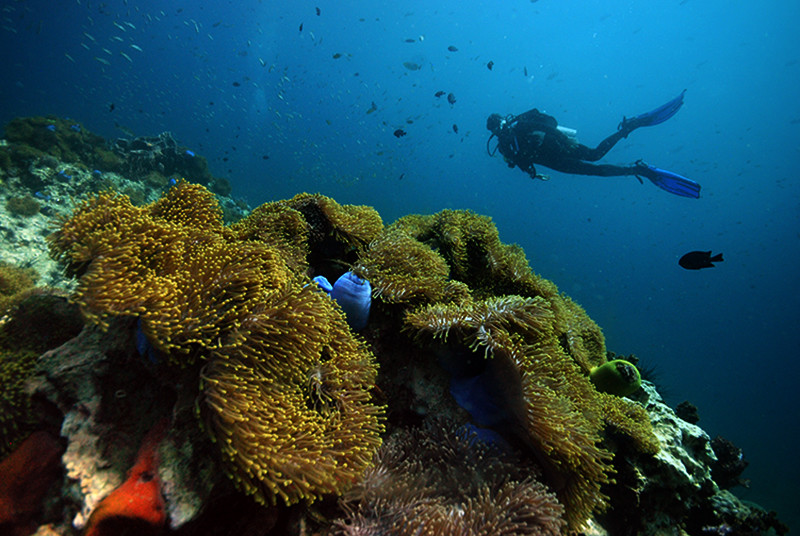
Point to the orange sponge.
(139, 497)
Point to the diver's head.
(494, 122)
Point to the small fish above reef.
(439, 93)
(451, 98)
(490, 65)
(399, 133)
(451, 48)
(695, 260)
(411, 66)
(455, 128)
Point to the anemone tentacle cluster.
(539, 346)
(285, 385)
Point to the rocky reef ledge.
(176, 363)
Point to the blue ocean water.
(283, 99)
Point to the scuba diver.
(536, 138)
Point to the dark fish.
(409, 40)
(525, 71)
(439, 94)
(401, 176)
(265, 157)
(301, 27)
(236, 84)
(451, 98)
(451, 48)
(411, 66)
(490, 65)
(399, 133)
(317, 11)
(337, 55)
(111, 107)
(455, 128)
(694, 260)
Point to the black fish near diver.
(695, 260)
(399, 133)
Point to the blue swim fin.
(669, 181)
(653, 117)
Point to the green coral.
(617, 377)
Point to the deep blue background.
(724, 338)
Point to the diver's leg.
(578, 167)
(589, 154)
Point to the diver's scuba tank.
(571, 133)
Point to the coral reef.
(654, 494)
(32, 320)
(61, 138)
(140, 157)
(16, 418)
(23, 206)
(279, 360)
(496, 408)
(729, 465)
(14, 280)
(548, 401)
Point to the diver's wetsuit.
(533, 138)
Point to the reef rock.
(673, 492)
(106, 395)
